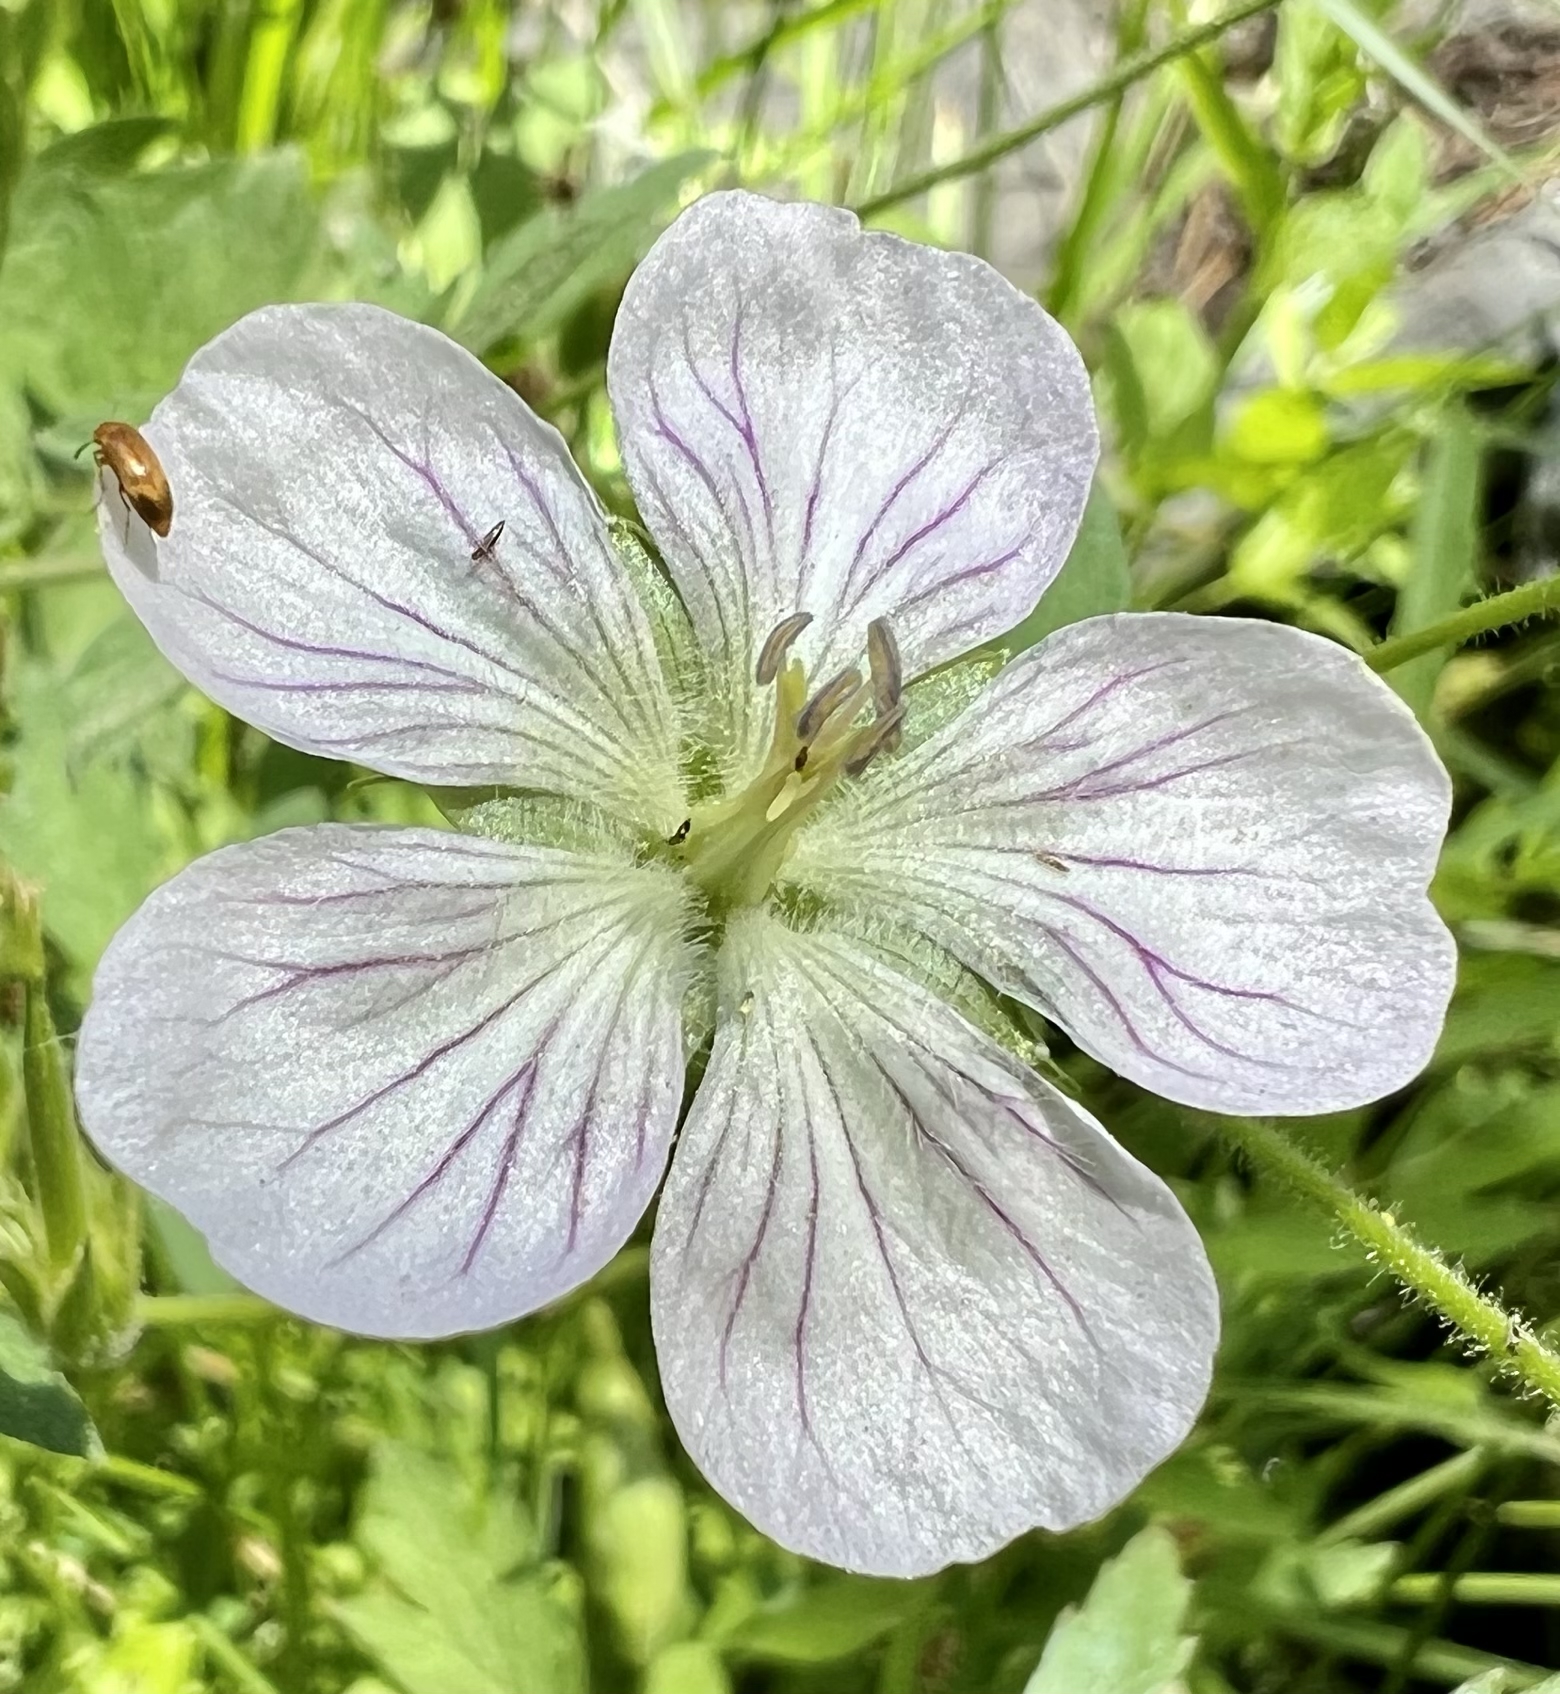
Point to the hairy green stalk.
(1532, 599)
(1448, 1292)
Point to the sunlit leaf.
(461, 1603)
(1126, 1636)
(539, 273)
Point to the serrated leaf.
(37, 1404)
(537, 274)
(1126, 1636)
(461, 1602)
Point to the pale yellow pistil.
(734, 847)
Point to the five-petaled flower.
(908, 1298)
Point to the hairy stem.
(1532, 599)
(1443, 1287)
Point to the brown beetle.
(143, 485)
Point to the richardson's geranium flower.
(908, 1298)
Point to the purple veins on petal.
(450, 1045)
(446, 1162)
(971, 573)
(1111, 999)
(930, 528)
(740, 421)
(316, 650)
(891, 499)
(929, 1137)
(426, 474)
(506, 1166)
(579, 1137)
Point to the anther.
(882, 735)
(777, 645)
(887, 673)
(680, 834)
(823, 705)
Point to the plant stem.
(1127, 73)
(227, 1656)
(51, 1129)
(1532, 599)
(46, 572)
(180, 1311)
(1444, 1288)
(1529, 1514)
(1481, 1588)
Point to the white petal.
(817, 418)
(1201, 845)
(406, 1082)
(334, 469)
(908, 1300)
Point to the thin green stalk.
(185, 1311)
(1529, 1514)
(52, 1135)
(44, 573)
(227, 1657)
(1376, 1516)
(1443, 1287)
(1481, 1588)
(1531, 600)
(1445, 1662)
(1127, 73)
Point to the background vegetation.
(214, 1497)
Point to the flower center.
(734, 847)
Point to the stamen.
(823, 705)
(778, 643)
(680, 834)
(880, 736)
(888, 675)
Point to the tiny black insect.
(482, 553)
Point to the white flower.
(909, 1300)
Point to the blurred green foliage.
(207, 1495)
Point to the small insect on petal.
(143, 485)
(482, 553)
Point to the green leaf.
(1162, 373)
(1504, 1004)
(832, 1620)
(116, 696)
(37, 1404)
(144, 269)
(1444, 547)
(86, 835)
(461, 1602)
(1126, 1637)
(539, 273)
(1095, 580)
